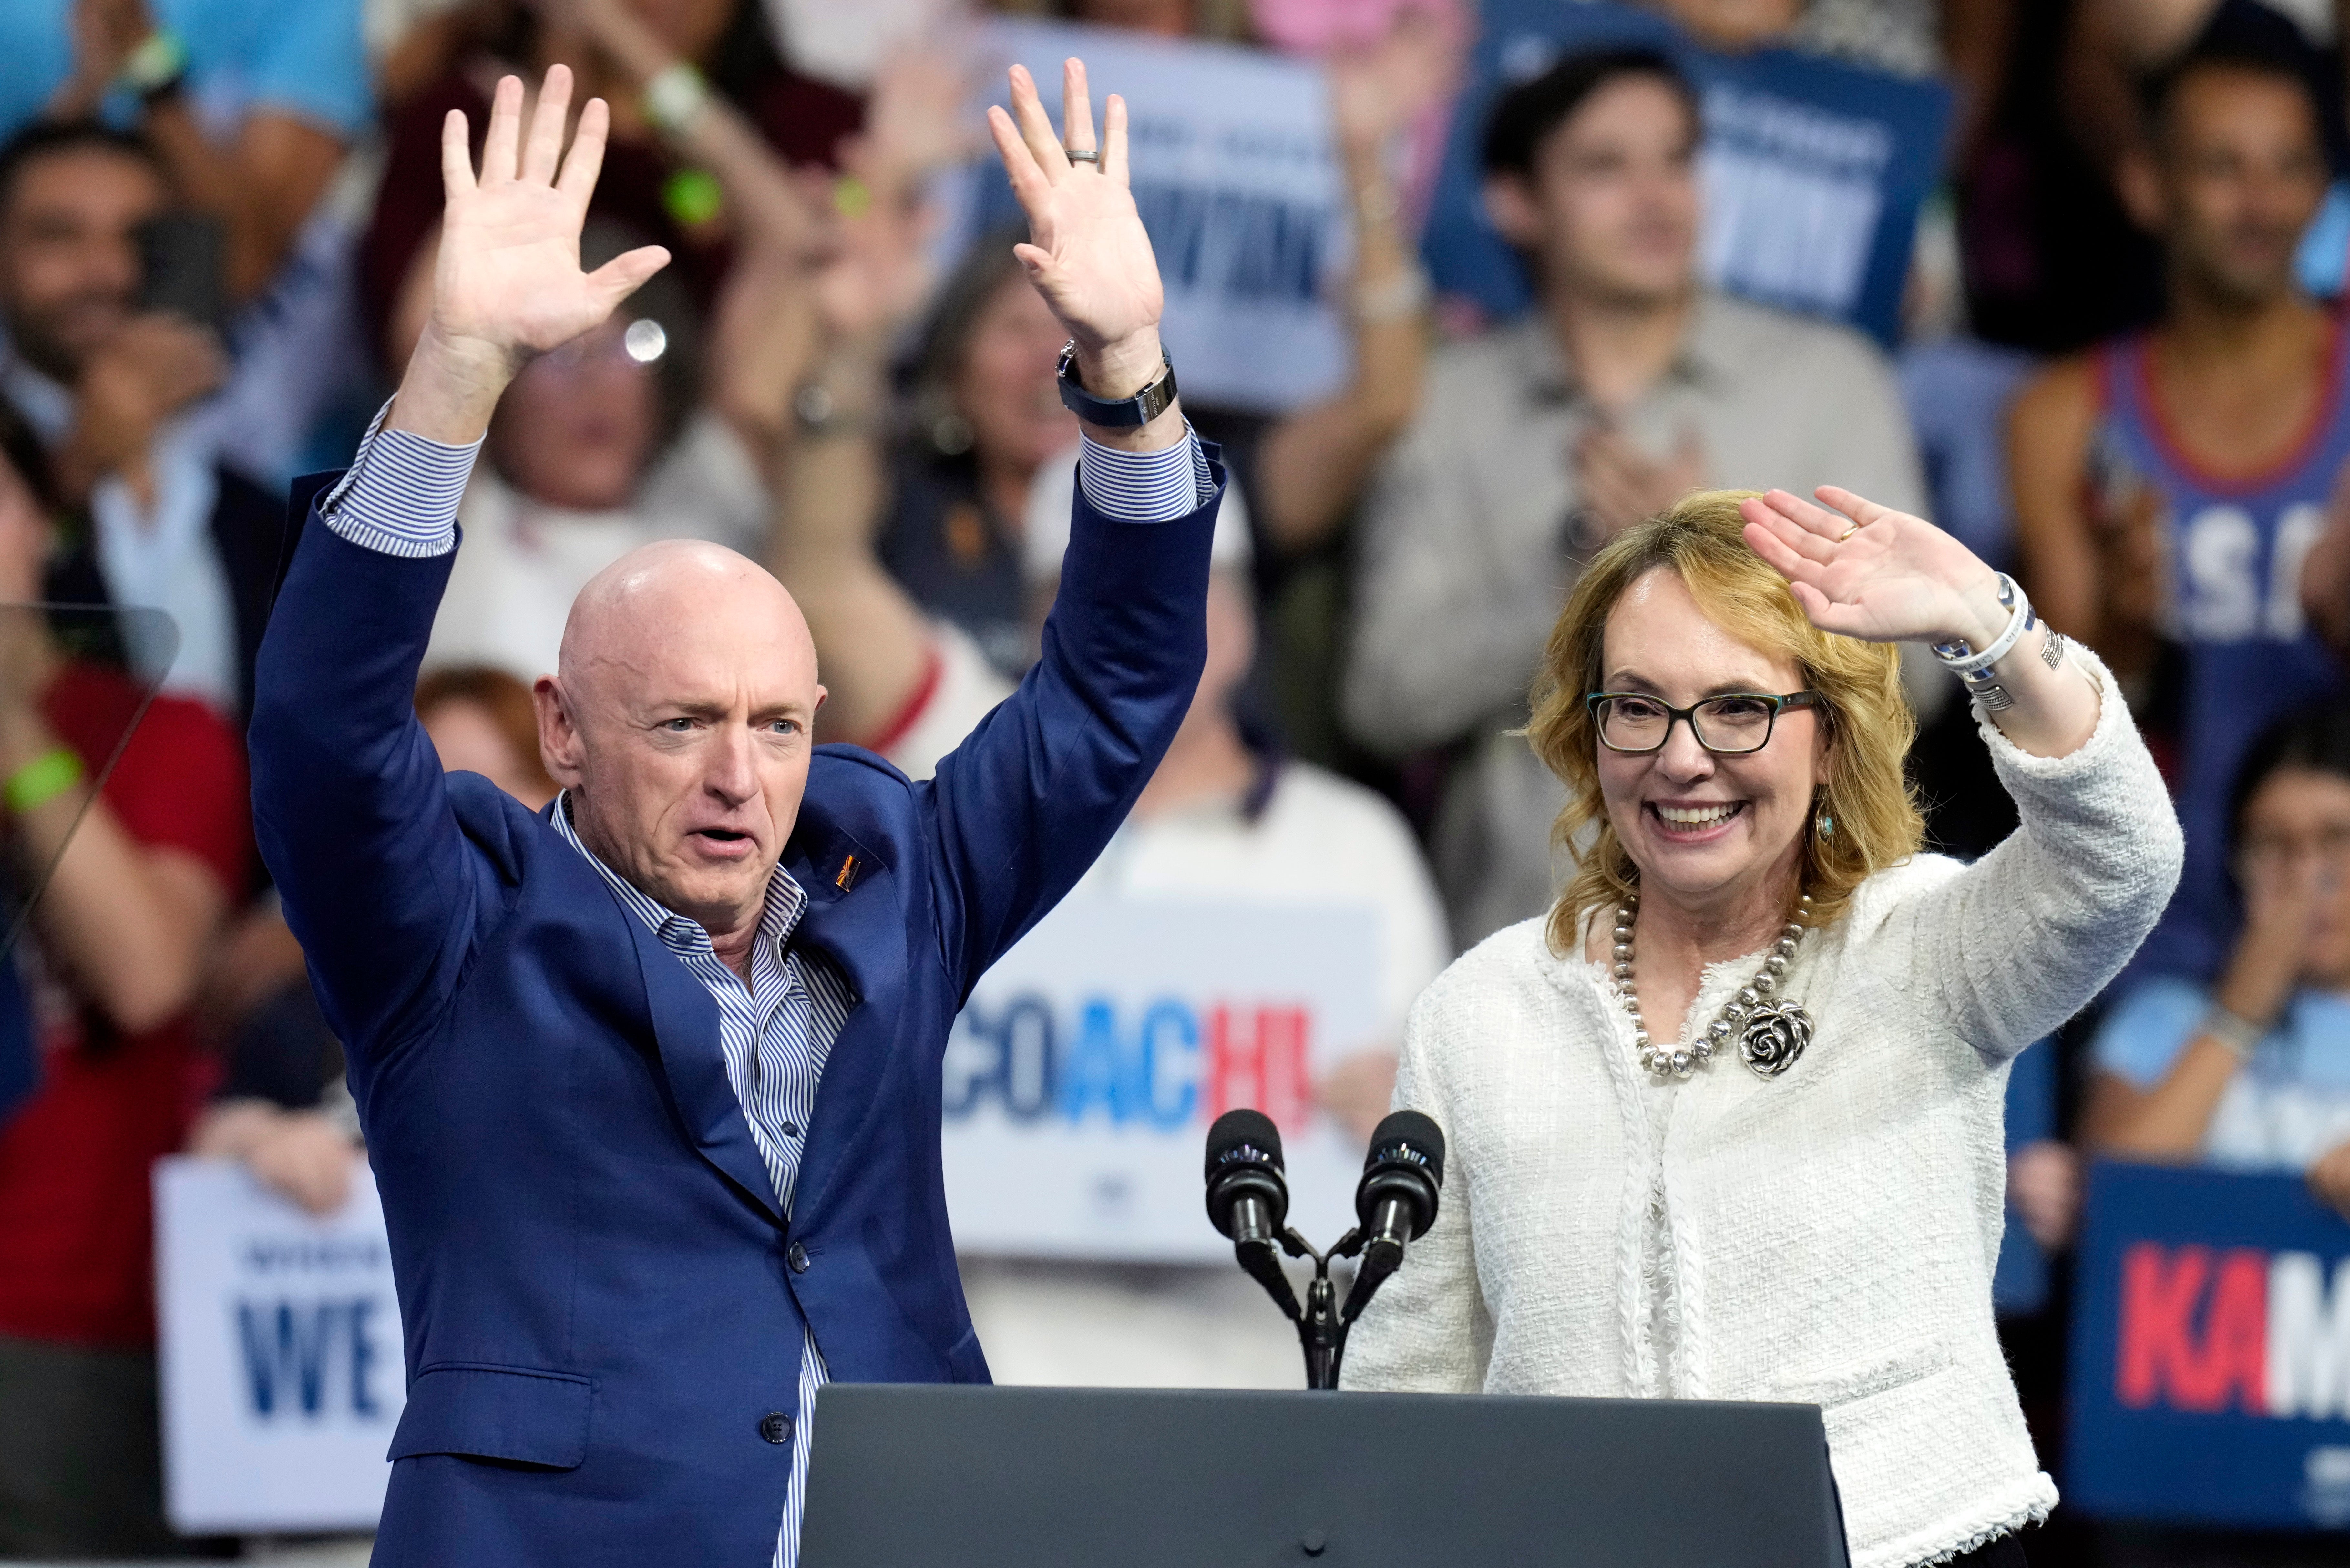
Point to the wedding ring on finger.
(1083, 155)
(1850, 529)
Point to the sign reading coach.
(1081, 1077)
(2211, 1350)
(283, 1375)
(1236, 179)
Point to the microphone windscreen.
(1410, 1130)
(1243, 1128)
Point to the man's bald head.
(679, 720)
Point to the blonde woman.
(1725, 1125)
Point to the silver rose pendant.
(1774, 1036)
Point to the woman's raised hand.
(1867, 571)
(1088, 254)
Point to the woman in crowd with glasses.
(1725, 1125)
(2253, 1072)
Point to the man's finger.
(456, 158)
(625, 273)
(586, 158)
(501, 147)
(1037, 128)
(544, 149)
(1113, 161)
(1028, 183)
(1076, 107)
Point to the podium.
(1040, 1477)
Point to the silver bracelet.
(1974, 669)
(2231, 1028)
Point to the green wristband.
(42, 780)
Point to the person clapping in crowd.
(2253, 1072)
(144, 873)
(1629, 385)
(1785, 1065)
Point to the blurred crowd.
(2119, 374)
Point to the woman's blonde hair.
(1867, 792)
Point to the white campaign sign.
(1081, 1079)
(1236, 181)
(282, 1370)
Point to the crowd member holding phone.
(2253, 1071)
(112, 386)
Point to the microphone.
(1396, 1200)
(1248, 1197)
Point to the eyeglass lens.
(1734, 723)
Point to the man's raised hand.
(506, 283)
(1088, 254)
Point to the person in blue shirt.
(2253, 1071)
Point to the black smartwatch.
(1139, 410)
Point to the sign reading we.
(283, 1375)
(2211, 1350)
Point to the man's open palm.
(508, 275)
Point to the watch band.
(1123, 414)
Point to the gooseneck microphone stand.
(1248, 1200)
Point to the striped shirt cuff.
(400, 495)
(1146, 486)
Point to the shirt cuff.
(1146, 486)
(400, 495)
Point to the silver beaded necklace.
(1771, 1031)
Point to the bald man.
(651, 1079)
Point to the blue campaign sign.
(1814, 171)
(2210, 1376)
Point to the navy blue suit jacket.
(600, 1298)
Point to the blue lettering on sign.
(291, 1348)
(1143, 1070)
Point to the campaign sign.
(1083, 1076)
(2211, 1351)
(1813, 171)
(1237, 183)
(281, 1363)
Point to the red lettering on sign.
(1257, 1059)
(2164, 1359)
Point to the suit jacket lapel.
(685, 1025)
(853, 918)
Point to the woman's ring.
(1085, 156)
(1850, 529)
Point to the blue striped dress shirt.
(399, 497)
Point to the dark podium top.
(1033, 1477)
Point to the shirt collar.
(787, 900)
(1700, 359)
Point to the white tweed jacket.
(1829, 1235)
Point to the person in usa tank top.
(2169, 485)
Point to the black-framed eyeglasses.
(1729, 726)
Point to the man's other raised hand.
(1088, 254)
(506, 283)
